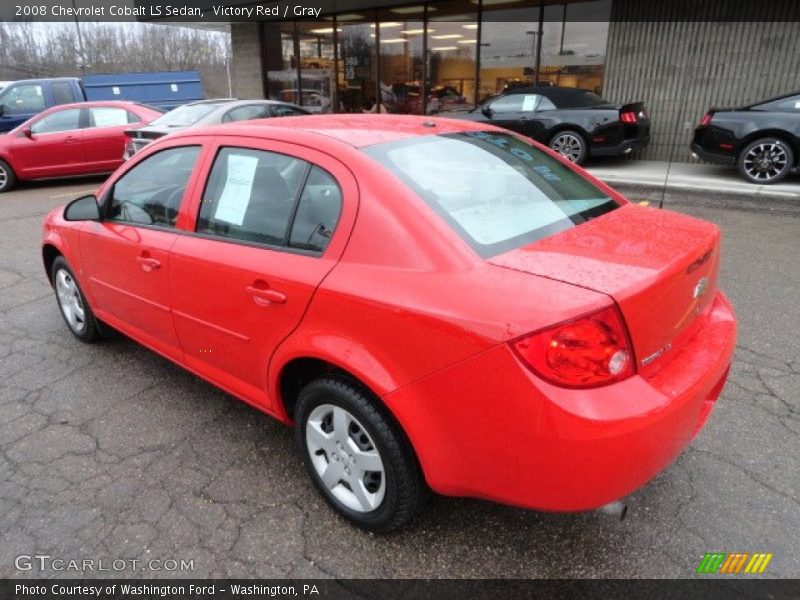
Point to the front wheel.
(357, 456)
(74, 307)
(767, 160)
(7, 177)
(570, 145)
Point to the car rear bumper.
(712, 157)
(488, 428)
(623, 147)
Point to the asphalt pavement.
(110, 452)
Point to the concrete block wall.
(246, 68)
(682, 58)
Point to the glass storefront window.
(401, 45)
(317, 66)
(574, 44)
(357, 89)
(280, 61)
(452, 38)
(508, 47)
(428, 55)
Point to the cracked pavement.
(109, 451)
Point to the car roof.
(356, 130)
(96, 103)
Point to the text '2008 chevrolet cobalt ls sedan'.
(434, 304)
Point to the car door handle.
(71, 140)
(265, 296)
(148, 263)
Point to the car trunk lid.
(660, 267)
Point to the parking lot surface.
(110, 452)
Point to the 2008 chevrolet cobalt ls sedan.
(435, 304)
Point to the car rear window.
(186, 115)
(496, 191)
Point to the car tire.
(765, 161)
(7, 177)
(571, 145)
(357, 455)
(74, 308)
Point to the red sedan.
(435, 304)
(85, 138)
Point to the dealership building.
(679, 56)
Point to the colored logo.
(735, 562)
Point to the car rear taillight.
(629, 117)
(589, 351)
(706, 120)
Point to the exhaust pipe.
(616, 509)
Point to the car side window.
(151, 192)
(317, 212)
(244, 113)
(545, 104)
(507, 104)
(108, 116)
(284, 110)
(24, 98)
(62, 92)
(250, 195)
(61, 120)
(791, 104)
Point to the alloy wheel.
(568, 146)
(346, 458)
(3, 177)
(766, 161)
(69, 299)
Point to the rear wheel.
(74, 308)
(7, 177)
(767, 160)
(357, 456)
(570, 145)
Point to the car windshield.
(496, 191)
(185, 115)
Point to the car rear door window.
(108, 116)
(60, 120)
(269, 198)
(245, 113)
(151, 192)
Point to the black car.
(575, 123)
(762, 139)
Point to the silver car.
(207, 112)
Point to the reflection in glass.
(357, 62)
(452, 47)
(401, 44)
(279, 57)
(316, 66)
(508, 48)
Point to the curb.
(687, 194)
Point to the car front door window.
(23, 99)
(151, 192)
(62, 120)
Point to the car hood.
(660, 267)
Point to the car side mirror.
(487, 111)
(27, 133)
(84, 208)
